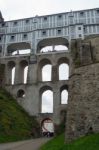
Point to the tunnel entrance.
(47, 128)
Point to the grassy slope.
(85, 143)
(15, 123)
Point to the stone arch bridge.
(79, 32)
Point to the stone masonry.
(83, 104)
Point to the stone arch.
(17, 46)
(41, 92)
(63, 68)
(52, 41)
(10, 74)
(20, 93)
(63, 60)
(41, 64)
(22, 73)
(64, 94)
(47, 126)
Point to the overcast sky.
(16, 9)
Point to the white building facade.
(68, 25)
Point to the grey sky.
(15, 9)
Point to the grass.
(90, 142)
(15, 123)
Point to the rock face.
(83, 106)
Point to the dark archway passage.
(47, 127)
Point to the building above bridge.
(68, 25)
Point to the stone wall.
(83, 106)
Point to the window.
(97, 11)
(12, 37)
(27, 21)
(45, 18)
(80, 35)
(59, 16)
(79, 28)
(15, 23)
(59, 31)
(47, 101)
(25, 36)
(3, 24)
(64, 97)
(81, 13)
(21, 93)
(43, 32)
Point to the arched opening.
(45, 70)
(63, 68)
(21, 52)
(23, 71)
(46, 73)
(25, 74)
(11, 72)
(63, 71)
(46, 98)
(20, 93)
(47, 102)
(64, 97)
(64, 94)
(13, 75)
(52, 45)
(19, 49)
(47, 127)
(54, 48)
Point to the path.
(33, 144)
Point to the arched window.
(19, 48)
(46, 73)
(11, 72)
(23, 71)
(25, 74)
(44, 70)
(46, 100)
(63, 71)
(21, 93)
(64, 97)
(13, 75)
